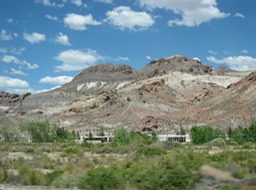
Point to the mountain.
(165, 95)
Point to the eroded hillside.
(164, 95)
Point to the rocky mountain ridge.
(165, 95)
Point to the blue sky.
(45, 43)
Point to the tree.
(9, 134)
(204, 134)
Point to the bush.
(169, 172)
(30, 176)
(150, 151)
(50, 177)
(9, 134)
(101, 178)
(123, 137)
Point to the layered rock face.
(96, 79)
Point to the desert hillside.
(165, 95)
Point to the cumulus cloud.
(34, 37)
(59, 80)
(5, 36)
(13, 59)
(125, 18)
(104, 1)
(73, 60)
(193, 13)
(241, 63)
(17, 72)
(12, 50)
(62, 39)
(240, 15)
(79, 22)
(49, 3)
(77, 2)
(12, 83)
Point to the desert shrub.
(101, 178)
(3, 174)
(72, 150)
(167, 173)
(150, 151)
(87, 145)
(204, 134)
(123, 137)
(30, 176)
(50, 177)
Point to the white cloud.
(13, 59)
(148, 57)
(34, 37)
(104, 1)
(10, 20)
(13, 50)
(245, 51)
(17, 51)
(12, 83)
(236, 62)
(122, 59)
(77, 2)
(73, 60)
(123, 17)
(17, 72)
(54, 18)
(5, 36)
(49, 3)
(193, 13)
(59, 80)
(79, 22)
(62, 39)
(3, 50)
(240, 15)
(213, 52)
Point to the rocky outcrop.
(175, 63)
(12, 100)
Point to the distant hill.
(165, 95)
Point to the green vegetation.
(204, 134)
(9, 134)
(46, 132)
(241, 135)
(131, 161)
